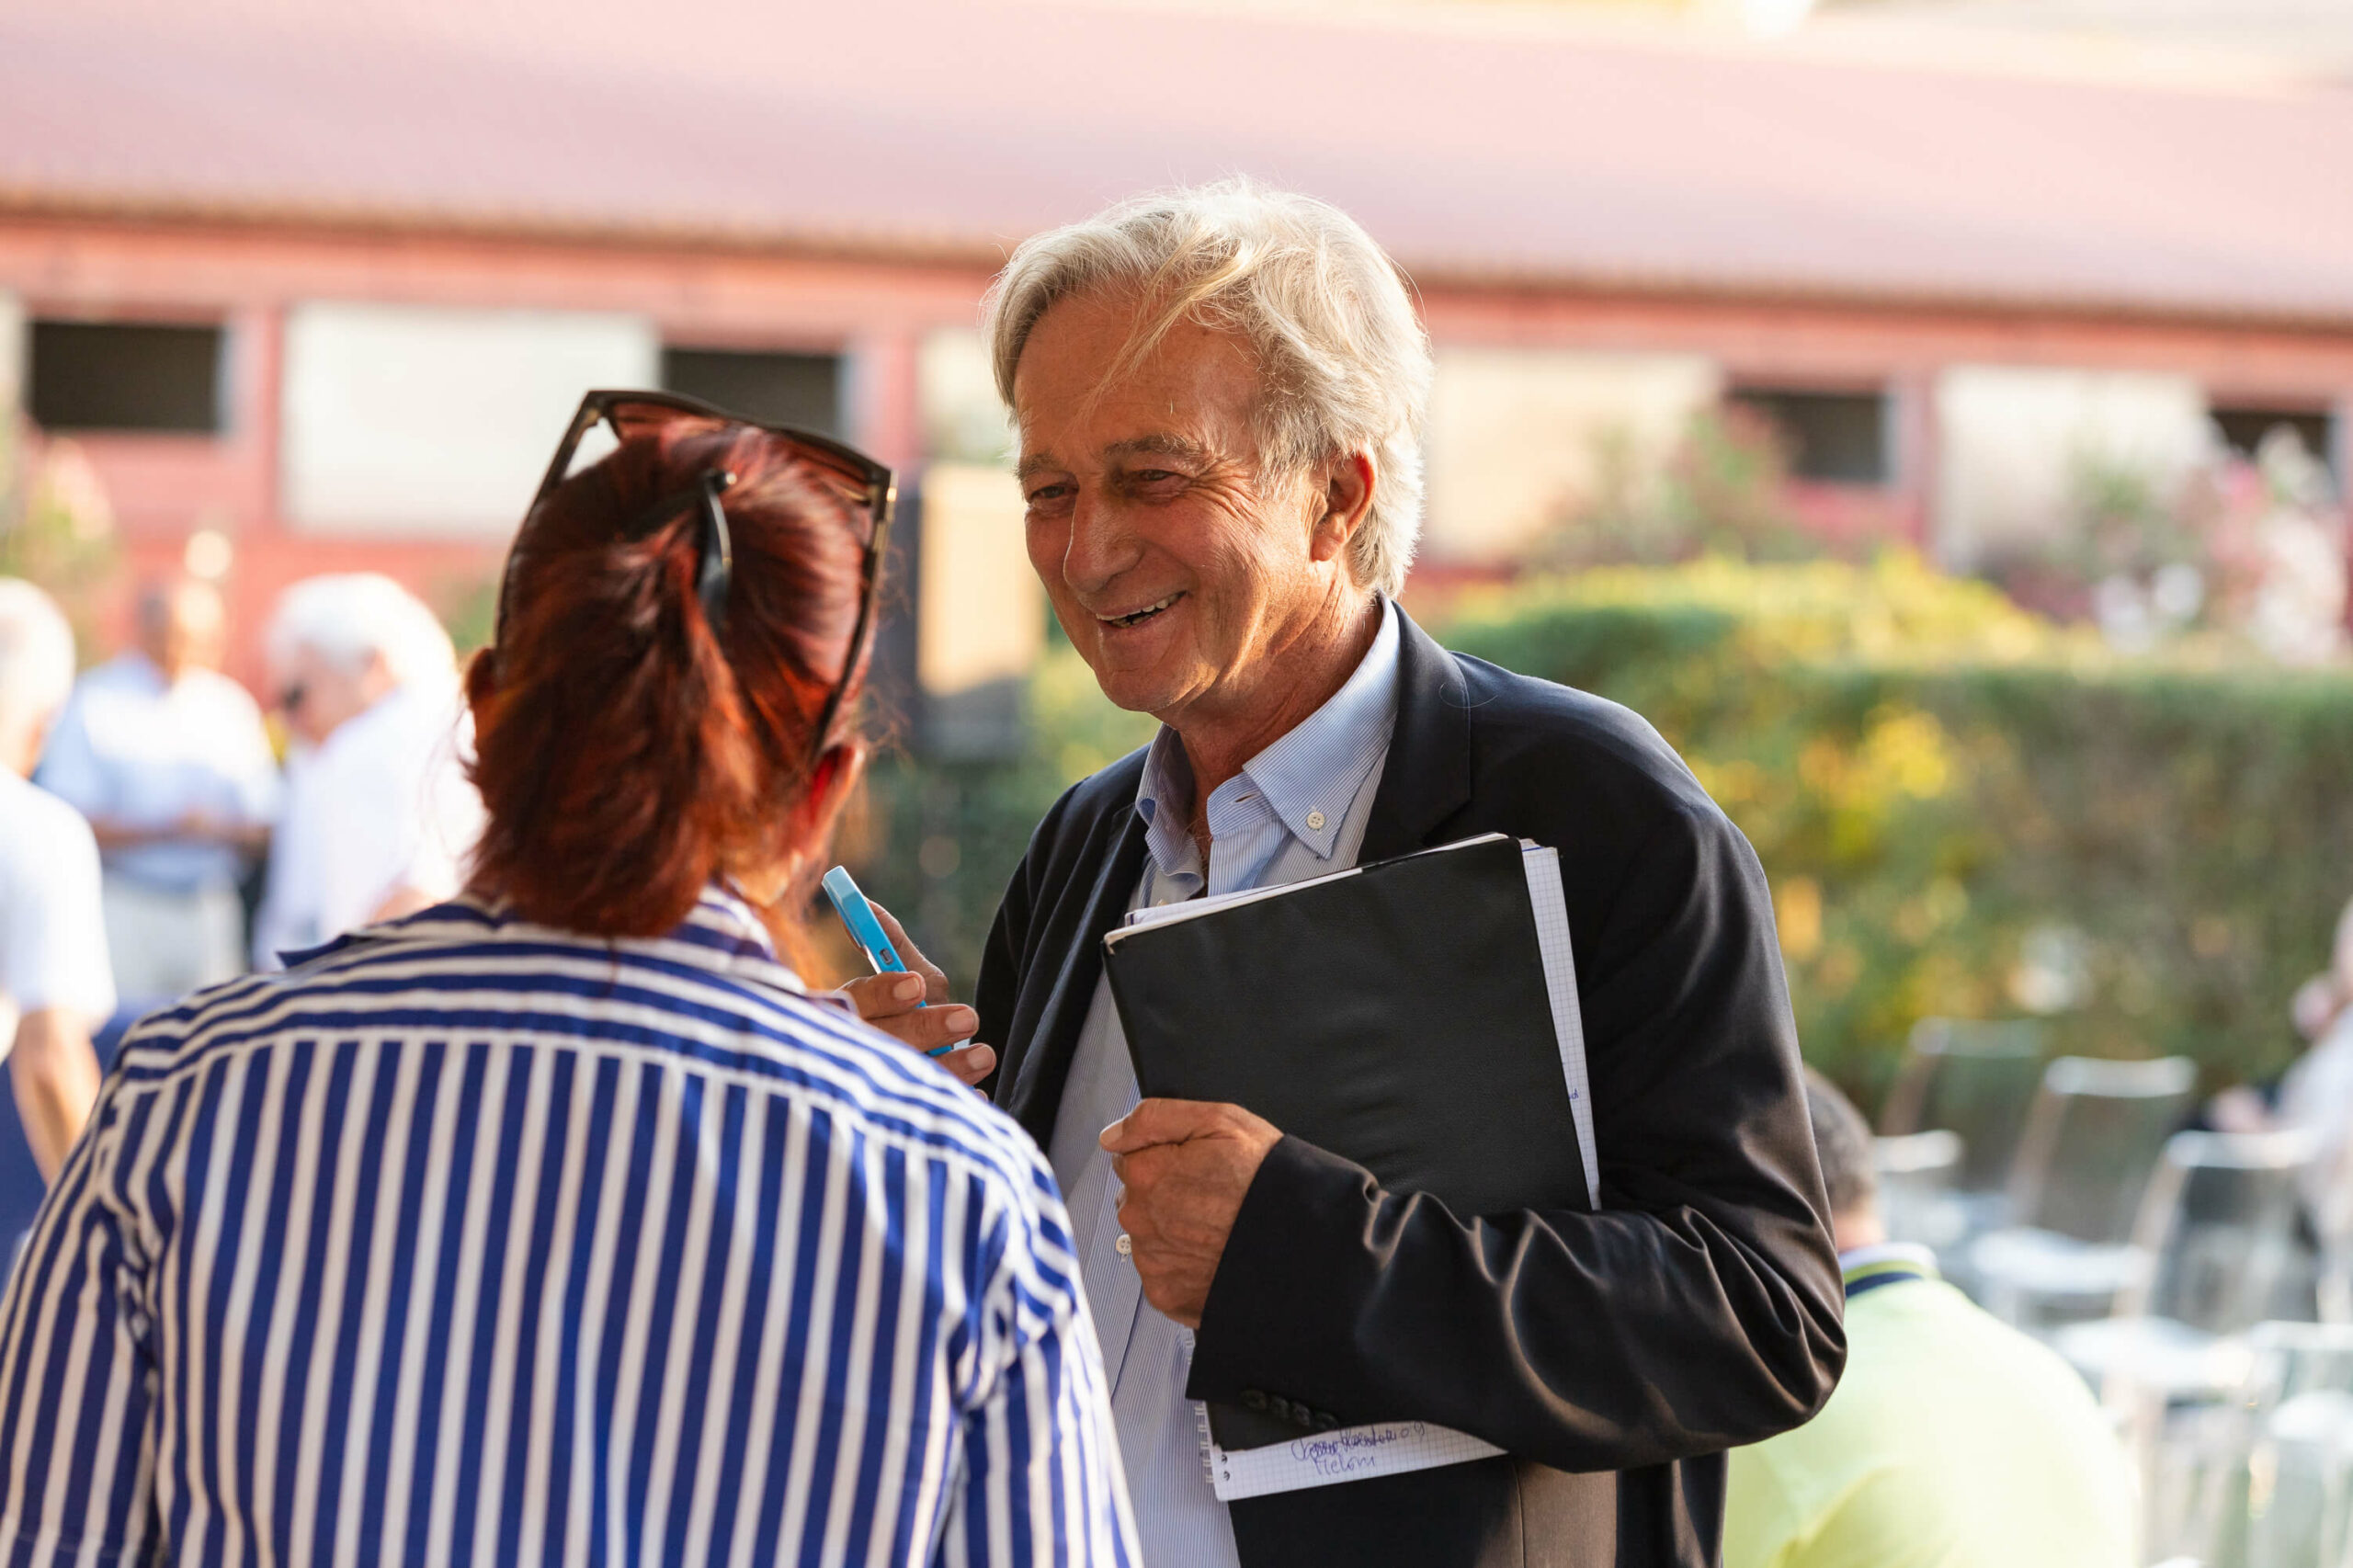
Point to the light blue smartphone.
(858, 919)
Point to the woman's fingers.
(914, 1009)
(912, 955)
(971, 1064)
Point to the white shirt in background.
(52, 940)
(382, 805)
(134, 749)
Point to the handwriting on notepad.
(1358, 1449)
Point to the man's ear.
(1348, 481)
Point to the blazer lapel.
(1036, 1092)
(1427, 777)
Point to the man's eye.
(1046, 493)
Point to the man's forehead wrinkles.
(1157, 443)
(1151, 444)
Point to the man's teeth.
(1149, 609)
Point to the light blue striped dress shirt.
(466, 1239)
(1297, 809)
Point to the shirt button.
(1124, 1247)
(1315, 821)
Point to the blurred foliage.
(1967, 811)
(1721, 489)
(57, 526)
(468, 606)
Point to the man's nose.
(1101, 545)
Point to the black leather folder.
(1397, 1016)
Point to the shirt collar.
(1893, 1259)
(1308, 776)
(721, 932)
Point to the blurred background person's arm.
(53, 970)
(54, 1073)
(55, 980)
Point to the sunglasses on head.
(618, 416)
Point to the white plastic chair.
(1973, 1079)
(2091, 1141)
(2214, 1244)
(1917, 1200)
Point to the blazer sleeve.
(996, 994)
(1699, 1310)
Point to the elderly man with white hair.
(1218, 400)
(379, 816)
(55, 983)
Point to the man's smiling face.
(1174, 566)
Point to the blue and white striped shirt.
(466, 1239)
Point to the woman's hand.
(895, 1004)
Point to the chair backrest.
(2091, 1141)
(2217, 1225)
(1915, 1187)
(1974, 1079)
(2298, 1406)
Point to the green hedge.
(1965, 811)
(1960, 805)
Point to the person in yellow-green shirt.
(1951, 1441)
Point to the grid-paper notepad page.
(1326, 1458)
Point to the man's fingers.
(910, 955)
(1165, 1121)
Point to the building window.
(432, 421)
(2244, 428)
(799, 389)
(117, 376)
(1838, 437)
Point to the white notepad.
(1326, 1458)
(1396, 1447)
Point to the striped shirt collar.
(1866, 1268)
(1308, 777)
(721, 932)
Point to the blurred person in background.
(1953, 1439)
(379, 816)
(168, 760)
(608, 1236)
(54, 981)
(2315, 1094)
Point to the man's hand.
(1186, 1166)
(894, 1004)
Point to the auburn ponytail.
(626, 751)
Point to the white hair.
(36, 659)
(349, 618)
(1345, 362)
